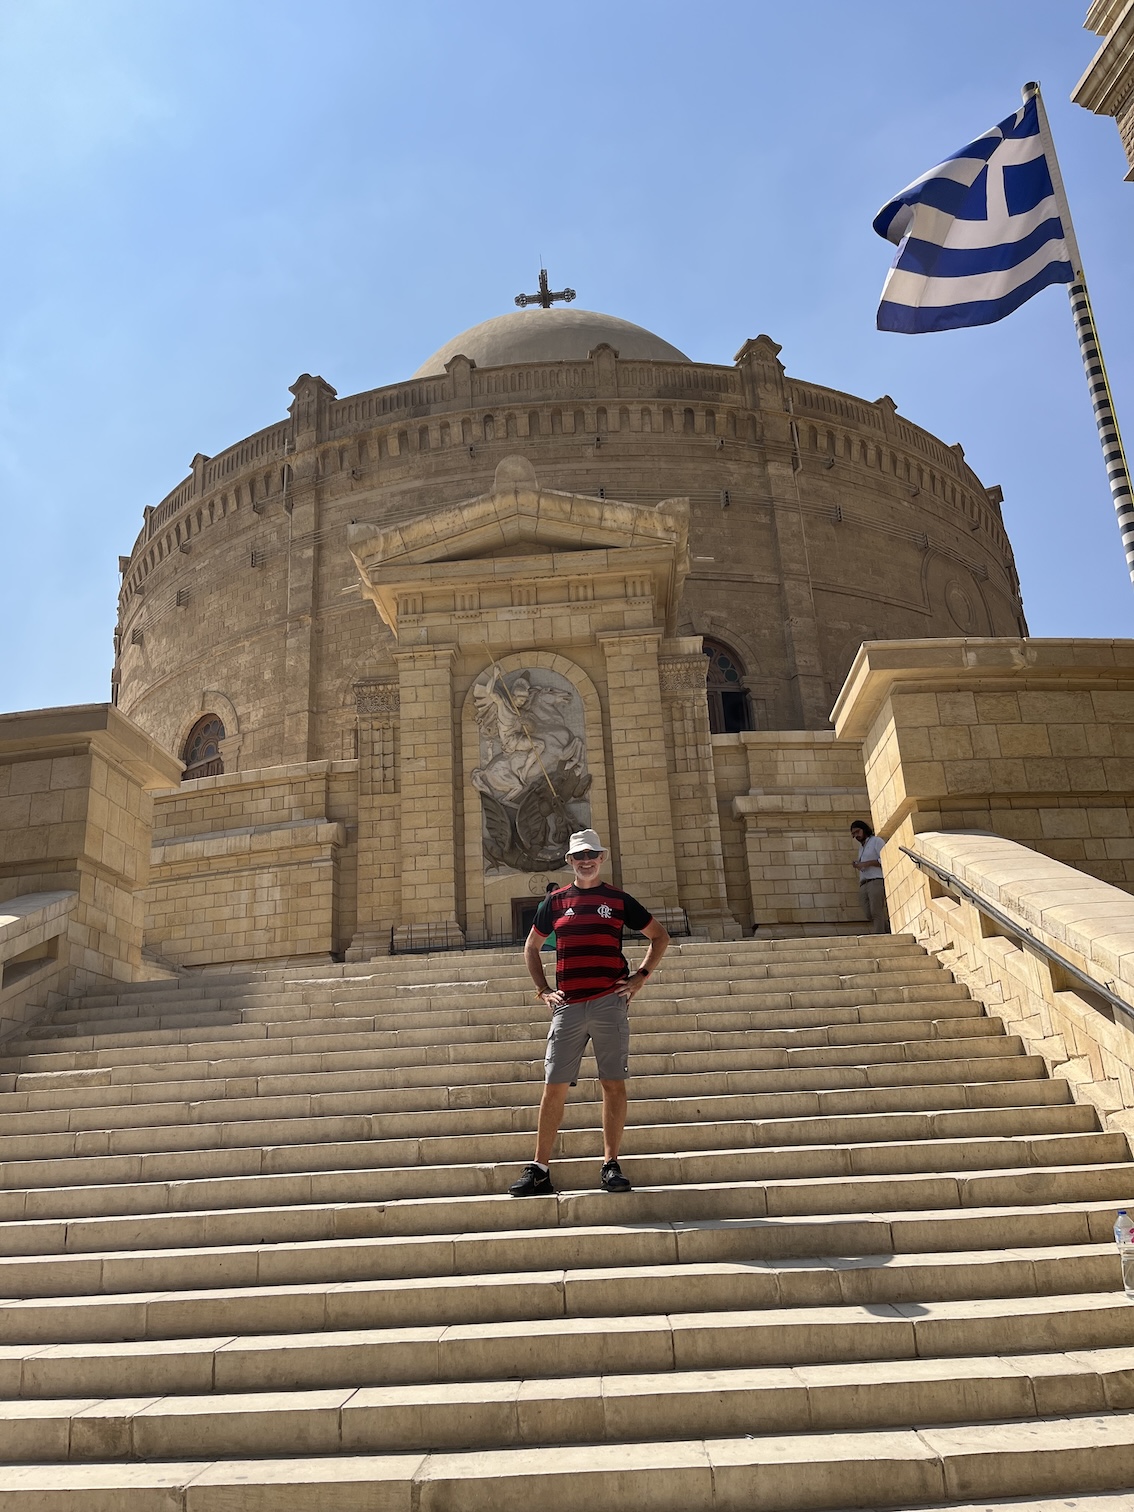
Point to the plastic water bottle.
(1124, 1239)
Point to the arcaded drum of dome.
(817, 521)
(552, 335)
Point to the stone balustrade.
(1011, 944)
(33, 955)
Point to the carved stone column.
(640, 776)
(379, 859)
(428, 807)
(692, 789)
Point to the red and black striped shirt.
(588, 924)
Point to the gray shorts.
(605, 1022)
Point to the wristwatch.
(642, 972)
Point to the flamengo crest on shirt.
(977, 236)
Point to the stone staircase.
(256, 1252)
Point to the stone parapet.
(75, 816)
(255, 866)
(792, 815)
(33, 955)
(1029, 739)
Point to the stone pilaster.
(692, 790)
(639, 775)
(379, 850)
(766, 390)
(428, 785)
(308, 410)
(801, 624)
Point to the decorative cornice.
(377, 699)
(683, 674)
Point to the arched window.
(730, 708)
(202, 749)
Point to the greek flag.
(977, 235)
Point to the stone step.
(244, 1122)
(808, 1472)
(157, 1029)
(505, 1007)
(366, 1034)
(822, 1260)
(319, 1143)
(116, 1108)
(770, 1118)
(631, 1407)
(514, 976)
(78, 1086)
(465, 1133)
(320, 1207)
(626, 1290)
(656, 1033)
(507, 1059)
(198, 1101)
(459, 965)
(287, 1120)
(350, 1355)
(296, 1243)
(1100, 1501)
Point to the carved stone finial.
(760, 349)
(514, 472)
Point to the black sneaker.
(535, 1182)
(612, 1178)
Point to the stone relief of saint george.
(533, 777)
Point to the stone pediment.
(520, 532)
(519, 513)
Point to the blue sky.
(202, 201)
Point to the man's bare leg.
(551, 1106)
(613, 1117)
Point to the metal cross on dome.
(545, 297)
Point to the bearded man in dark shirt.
(590, 999)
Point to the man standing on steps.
(590, 1001)
(872, 889)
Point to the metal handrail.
(1021, 930)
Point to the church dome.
(554, 335)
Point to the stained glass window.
(202, 749)
(730, 708)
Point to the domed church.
(403, 642)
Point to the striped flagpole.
(1117, 471)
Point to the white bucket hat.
(585, 840)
